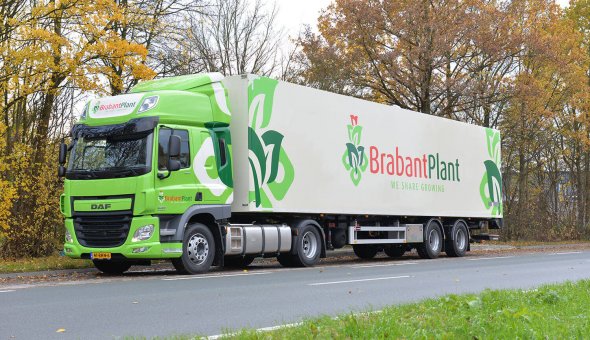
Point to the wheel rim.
(433, 239)
(197, 249)
(460, 239)
(310, 245)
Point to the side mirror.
(61, 171)
(63, 150)
(173, 165)
(173, 152)
(174, 146)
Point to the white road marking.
(7, 291)
(360, 280)
(383, 265)
(566, 253)
(490, 258)
(213, 276)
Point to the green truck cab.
(130, 183)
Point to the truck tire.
(112, 267)
(394, 250)
(338, 238)
(308, 247)
(433, 241)
(238, 261)
(365, 251)
(198, 250)
(458, 241)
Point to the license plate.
(100, 256)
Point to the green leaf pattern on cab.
(267, 156)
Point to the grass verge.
(52, 262)
(549, 312)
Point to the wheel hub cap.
(310, 245)
(197, 249)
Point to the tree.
(408, 53)
(231, 37)
(48, 48)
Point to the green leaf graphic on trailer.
(490, 187)
(354, 159)
(267, 154)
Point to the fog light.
(68, 250)
(143, 233)
(140, 250)
(69, 237)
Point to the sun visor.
(134, 126)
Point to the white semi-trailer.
(247, 166)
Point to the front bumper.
(151, 248)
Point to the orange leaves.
(47, 48)
(74, 38)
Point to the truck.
(206, 170)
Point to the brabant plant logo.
(354, 158)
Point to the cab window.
(163, 139)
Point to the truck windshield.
(110, 156)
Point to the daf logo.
(100, 206)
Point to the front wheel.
(433, 241)
(198, 250)
(112, 267)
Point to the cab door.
(177, 190)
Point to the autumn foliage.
(50, 52)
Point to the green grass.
(549, 312)
(42, 263)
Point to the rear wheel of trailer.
(431, 247)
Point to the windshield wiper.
(124, 170)
(84, 173)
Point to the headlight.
(148, 104)
(143, 233)
(69, 237)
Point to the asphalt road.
(164, 305)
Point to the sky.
(295, 13)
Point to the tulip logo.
(354, 158)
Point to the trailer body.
(334, 154)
